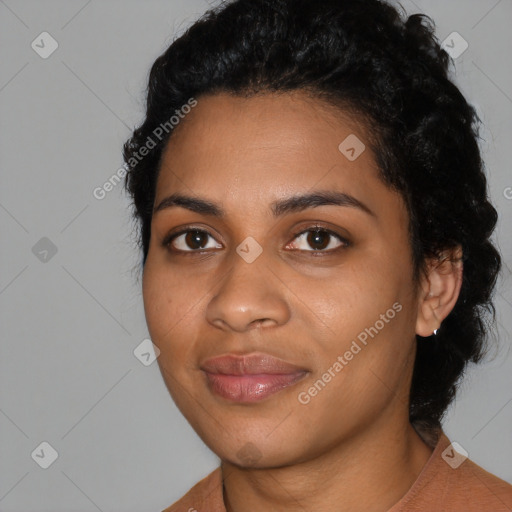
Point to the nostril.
(260, 322)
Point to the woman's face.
(337, 308)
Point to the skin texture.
(351, 447)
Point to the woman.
(316, 256)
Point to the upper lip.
(249, 364)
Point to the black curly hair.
(366, 57)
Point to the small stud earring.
(435, 332)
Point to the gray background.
(70, 323)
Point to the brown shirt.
(447, 483)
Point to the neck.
(369, 472)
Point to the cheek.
(170, 308)
(367, 318)
(345, 394)
(348, 302)
(157, 301)
(168, 303)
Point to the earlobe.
(440, 288)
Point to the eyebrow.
(279, 208)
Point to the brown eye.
(196, 239)
(192, 240)
(318, 240)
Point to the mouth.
(250, 378)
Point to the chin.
(257, 450)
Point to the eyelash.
(166, 243)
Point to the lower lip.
(250, 388)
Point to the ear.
(439, 291)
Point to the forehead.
(258, 149)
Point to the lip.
(250, 377)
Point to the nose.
(250, 296)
